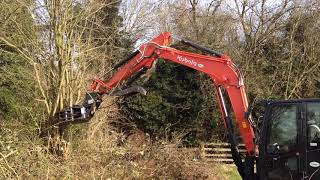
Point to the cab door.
(280, 145)
(313, 140)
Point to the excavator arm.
(220, 68)
(224, 73)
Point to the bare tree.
(64, 44)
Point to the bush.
(174, 104)
(16, 87)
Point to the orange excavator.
(285, 145)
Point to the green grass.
(231, 172)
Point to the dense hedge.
(175, 103)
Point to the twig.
(4, 159)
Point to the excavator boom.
(220, 68)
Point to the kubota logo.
(189, 61)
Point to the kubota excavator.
(289, 140)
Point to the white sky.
(142, 15)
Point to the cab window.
(313, 124)
(283, 132)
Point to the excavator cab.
(289, 147)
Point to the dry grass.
(99, 153)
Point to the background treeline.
(275, 45)
(51, 49)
